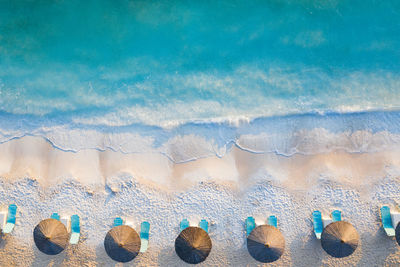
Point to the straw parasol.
(193, 245)
(266, 243)
(122, 243)
(398, 233)
(339, 239)
(50, 236)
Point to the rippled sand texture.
(223, 206)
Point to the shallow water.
(166, 63)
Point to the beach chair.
(144, 236)
(184, 224)
(387, 221)
(118, 221)
(11, 219)
(317, 222)
(250, 225)
(204, 225)
(273, 221)
(75, 230)
(336, 215)
(55, 216)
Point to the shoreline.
(289, 135)
(35, 157)
(144, 177)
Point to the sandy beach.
(101, 185)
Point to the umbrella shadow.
(168, 257)
(102, 259)
(7, 240)
(3, 241)
(238, 257)
(242, 257)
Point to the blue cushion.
(386, 217)
(144, 230)
(317, 222)
(184, 224)
(118, 221)
(336, 215)
(12, 213)
(75, 227)
(250, 225)
(204, 225)
(273, 221)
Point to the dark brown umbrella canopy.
(339, 239)
(122, 243)
(50, 236)
(266, 243)
(398, 233)
(193, 245)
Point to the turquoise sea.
(217, 69)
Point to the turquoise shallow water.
(157, 62)
(120, 74)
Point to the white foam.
(277, 90)
(190, 147)
(183, 148)
(188, 159)
(317, 141)
(79, 139)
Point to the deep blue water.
(159, 62)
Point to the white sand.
(100, 185)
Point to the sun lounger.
(317, 222)
(390, 219)
(387, 221)
(75, 230)
(11, 219)
(184, 224)
(204, 225)
(273, 221)
(250, 225)
(336, 215)
(321, 222)
(118, 221)
(144, 236)
(55, 216)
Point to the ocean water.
(137, 75)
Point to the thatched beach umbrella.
(266, 243)
(122, 243)
(50, 236)
(193, 245)
(339, 239)
(398, 233)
